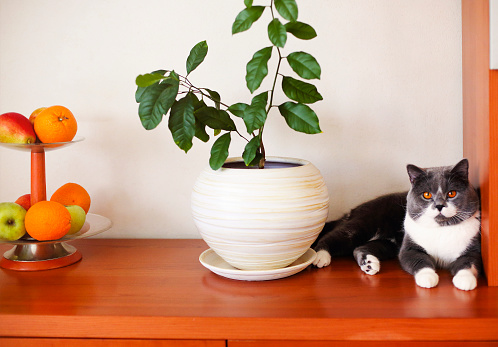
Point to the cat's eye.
(451, 193)
(427, 195)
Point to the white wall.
(391, 81)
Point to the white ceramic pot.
(260, 219)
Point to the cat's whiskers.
(459, 217)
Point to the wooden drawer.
(47, 342)
(253, 343)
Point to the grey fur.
(439, 181)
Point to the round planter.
(260, 219)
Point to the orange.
(72, 194)
(47, 220)
(55, 124)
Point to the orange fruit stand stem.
(38, 181)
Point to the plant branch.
(187, 84)
(241, 135)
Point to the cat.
(436, 224)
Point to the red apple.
(24, 201)
(15, 128)
(35, 113)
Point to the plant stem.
(276, 72)
(270, 104)
(274, 80)
(261, 163)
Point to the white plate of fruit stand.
(29, 254)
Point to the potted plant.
(229, 195)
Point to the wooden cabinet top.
(127, 288)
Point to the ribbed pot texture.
(260, 219)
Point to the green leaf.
(139, 94)
(148, 79)
(214, 118)
(260, 100)
(198, 104)
(248, 3)
(305, 65)
(246, 17)
(215, 97)
(254, 118)
(251, 150)
(254, 115)
(150, 111)
(238, 109)
(300, 91)
(140, 90)
(301, 30)
(196, 56)
(219, 151)
(257, 68)
(200, 128)
(182, 122)
(277, 33)
(300, 117)
(200, 131)
(155, 101)
(287, 9)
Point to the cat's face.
(441, 195)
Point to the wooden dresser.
(156, 293)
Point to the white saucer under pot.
(216, 264)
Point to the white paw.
(371, 265)
(322, 259)
(465, 280)
(426, 278)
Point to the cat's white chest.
(444, 243)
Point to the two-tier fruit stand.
(29, 254)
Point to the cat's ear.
(414, 172)
(461, 169)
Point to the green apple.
(11, 221)
(78, 217)
(15, 128)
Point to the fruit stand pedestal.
(38, 183)
(29, 254)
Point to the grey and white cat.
(434, 225)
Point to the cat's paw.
(465, 280)
(322, 259)
(370, 264)
(426, 278)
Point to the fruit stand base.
(11, 261)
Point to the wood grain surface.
(157, 289)
(480, 124)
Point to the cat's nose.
(440, 207)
